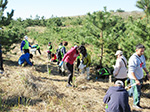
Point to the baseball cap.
(119, 52)
(119, 82)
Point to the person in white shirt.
(120, 68)
(135, 73)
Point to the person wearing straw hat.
(120, 68)
(116, 98)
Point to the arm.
(106, 97)
(147, 73)
(64, 50)
(117, 67)
(22, 44)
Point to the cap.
(119, 82)
(119, 52)
(26, 37)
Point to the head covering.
(119, 52)
(119, 83)
(26, 37)
(49, 42)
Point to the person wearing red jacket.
(69, 59)
(54, 58)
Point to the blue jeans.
(135, 91)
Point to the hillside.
(31, 89)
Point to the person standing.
(25, 45)
(49, 51)
(86, 61)
(116, 98)
(120, 68)
(69, 59)
(1, 61)
(135, 73)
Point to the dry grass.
(31, 89)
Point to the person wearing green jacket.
(25, 45)
(49, 51)
(37, 48)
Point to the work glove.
(22, 52)
(61, 63)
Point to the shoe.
(137, 106)
(69, 85)
(88, 78)
(1, 71)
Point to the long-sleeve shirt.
(63, 50)
(23, 58)
(117, 100)
(120, 69)
(86, 60)
(23, 43)
(136, 65)
(70, 56)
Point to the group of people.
(116, 97)
(66, 60)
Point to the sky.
(63, 8)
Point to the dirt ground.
(34, 89)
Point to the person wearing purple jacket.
(25, 45)
(117, 98)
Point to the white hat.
(119, 82)
(119, 52)
(26, 37)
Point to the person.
(37, 48)
(25, 45)
(1, 61)
(117, 99)
(120, 68)
(86, 61)
(63, 52)
(69, 59)
(49, 51)
(25, 59)
(54, 58)
(135, 73)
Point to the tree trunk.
(101, 41)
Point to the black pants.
(39, 51)
(1, 62)
(70, 71)
(26, 51)
(123, 80)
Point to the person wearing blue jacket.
(25, 45)
(117, 99)
(25, 58)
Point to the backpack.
(58, 54)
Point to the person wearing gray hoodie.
(120, 68)
(117, 98)
(135, 72)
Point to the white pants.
(87, 69)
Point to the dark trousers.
(39, 51)
(70, 71)
(1, 62)
(26, 51)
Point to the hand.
(113, 66)
(61, 63)
(137, 82)
(22, 52)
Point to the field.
(32, 89)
